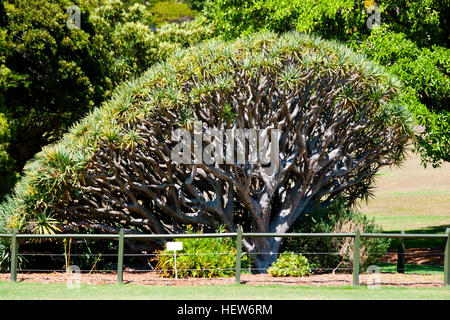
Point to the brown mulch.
(417, 256)
(152, 278)
(412, 256)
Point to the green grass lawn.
(25, 291)
(411, 197)
(411, 268)
(408, 223)
(422, 243)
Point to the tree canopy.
(341, 118)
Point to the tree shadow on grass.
(433, 243)
(411, 268)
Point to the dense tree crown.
(340, 119)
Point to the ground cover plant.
(290, 264)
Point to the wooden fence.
(239, 235)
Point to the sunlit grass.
(411, 268)
(411, 197)
(225, 292)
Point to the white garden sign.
(174, 246)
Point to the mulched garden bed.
(417, 256)
(413, 256)
(152, 278)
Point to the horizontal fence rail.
(239, 236)
(224, 235)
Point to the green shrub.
(422, 21)
(202, 258)
(4, 254)
(334, 219)
(237, 17)
(424, 69)
(290, 264)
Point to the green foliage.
(413, 42)
(5, 252)
(5, 256)
(88, 255)
(202, 258)
(8, 176)
(236, 17)
(171, 11)
(425, 22)
(426, 73)
(127, 41)
(51, 76)
(187, 33)
(196, 4)
(422, 21)
(289, 264)
(44, 224)
(334, 219)
(423, 69)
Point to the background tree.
(7, 174)
(425, 71)
(51, 76)
(340, 116)
(413, 42)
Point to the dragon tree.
(326, 118)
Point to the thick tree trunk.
(266, 252)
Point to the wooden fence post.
(238, 254)
(14, 251)
(401, 254)
(356, 258)
(447, 260)
(120, 258)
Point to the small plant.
(44, 224)
(290, 264)
(5, 255)
(202, 258)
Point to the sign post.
(174, 246)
